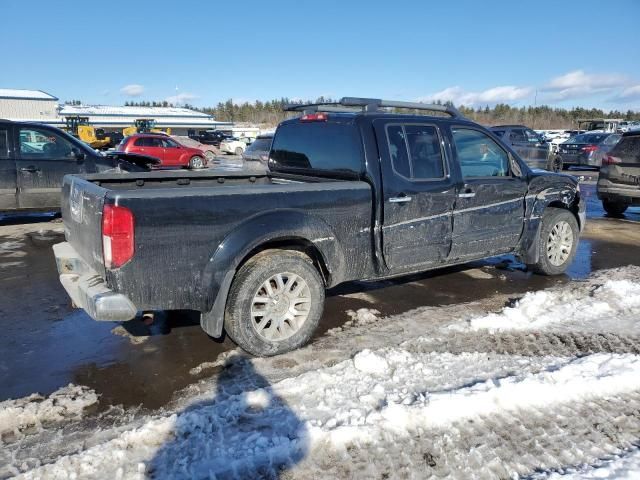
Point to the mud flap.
(531, 253)
(213, 320)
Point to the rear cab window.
(416, 151)
(317, 147)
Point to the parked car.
(531, 146)
(586, 149)
(348, 196)
(164, 148)
(209, 151)
(234, 145)
(210, 137)
(619, 178)
(259, 149)
(34, 158)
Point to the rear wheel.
(239, 151)
(275, 303)
(614, 208)
(557, 242)
(209, 155)
(196, 162)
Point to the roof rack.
(367, 105)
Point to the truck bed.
(186, 222)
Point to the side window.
(156, 142)
(4, 143)
(141, 142)
(517, 135)
(498, 133)
(41, 144)
(415, 151)
(168, 143)
(532, 136)
(479, 155)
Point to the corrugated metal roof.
(25, 94)
(133, 112)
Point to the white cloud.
(181, 98)
(629, 93)
(132, 90)
(459, 96)
(578, 83)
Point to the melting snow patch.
(539, 309)
(35, 410)
(369, 362)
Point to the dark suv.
(619, 179)
(531, 146)
(34, 158)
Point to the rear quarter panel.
(187, 239)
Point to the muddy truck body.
(351, 195)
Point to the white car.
(234, 145)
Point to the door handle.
(30, 169)
(404, 199)
(468, 193)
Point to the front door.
(172, 152)
(489, 213)
(8, 186)
(44, 158)
(418, 194)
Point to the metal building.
(30, 105)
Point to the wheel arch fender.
(283, 228)
(564, 196)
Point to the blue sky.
(583, 53)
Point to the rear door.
(150, 146)
(44, 158)
(8, 185)
(489, 213)
(538, 150)
(418, 194)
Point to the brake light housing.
(118, 235)
(314, 117)
(590, 148)
(610, 160)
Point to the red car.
(166, 149)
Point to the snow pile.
(362, 316)
(66, 403)
(539, 309)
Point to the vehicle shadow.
(245, 431)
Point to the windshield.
(587, 138)
(260, 144)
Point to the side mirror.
(78, 155)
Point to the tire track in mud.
(528, 343)
(501, 446)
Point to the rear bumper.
(87, 288)
(615, 191)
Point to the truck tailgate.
(82, 203)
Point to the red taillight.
(118, 227)
(610, 160)
(590, 148)
(314, 117)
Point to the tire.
(209, 155)
(239, 151)
(614, 208)
(556, 245)
(555, 164)
(279, 334)
(196, 162)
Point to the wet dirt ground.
(46, 344)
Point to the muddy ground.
(46, 344)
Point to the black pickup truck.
(350, 195)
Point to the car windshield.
(588, 138)
(260, 144)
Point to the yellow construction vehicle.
(80, 128)
(144, 125)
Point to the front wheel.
(196, 162)
(275, 303)
(555, 164)
(614, 208)
(557, 243)
(239, 151)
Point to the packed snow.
(547, 387)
